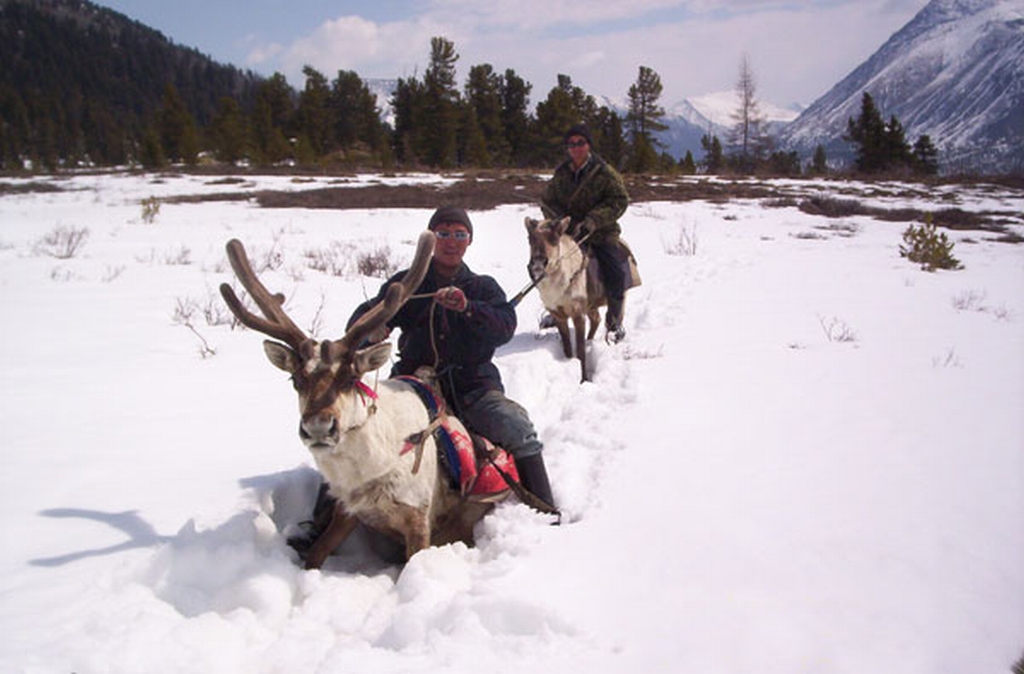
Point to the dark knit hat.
(578, 130)
(447, 214)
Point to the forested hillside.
(83, 85)
(80, 83)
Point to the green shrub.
(932, 250)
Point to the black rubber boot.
(310, 530)
(613, 320)
(534, 477)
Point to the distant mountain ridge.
(692, 118)
(955, 72)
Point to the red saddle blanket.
(467, 465)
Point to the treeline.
(82, 84)
(87, 86)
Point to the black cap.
(447, 214)
(578, 130)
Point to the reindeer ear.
(531, 224)
(371, 358)
(282, 357)
(560, 226)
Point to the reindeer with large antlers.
(355, 434)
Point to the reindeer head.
(544, 236)
(326, 375)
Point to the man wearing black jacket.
(458, 338)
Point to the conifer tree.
(151, 151)
(272, 119)
(178, 135)
(515, 105)
(687, 165)
(441, 108)
(484, 95)
(408, 103)
(868, 132)
(644, 119)
(14, 130)
(713, 161)
(355, 113)
(608, 136)
(313, 113)
(819, 163)
(472, 144)
(926, 157)
(565, 105)
(228, 132)
(897, 151)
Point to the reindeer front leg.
(342, 524)
(563, 332)
(579, 324)
(415, 528)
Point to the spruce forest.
(84, 86)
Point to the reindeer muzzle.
(319, 431)
(536, 268)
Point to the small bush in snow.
(182, 256)
(150, 209)
(932, 250)
(969, 300)
(334, 260)
(837, 330)
(184, 311)
(377, 263)
(685, 243)
(63, 242)
(113, 273)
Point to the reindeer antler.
(276, 324)
(279, 326)
(393, 300)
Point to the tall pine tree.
(441, 107)
(868, 133)
(644, 119)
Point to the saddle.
(476, 468)
(627, 262)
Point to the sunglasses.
(458, 236)
(578, 143)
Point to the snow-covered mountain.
(955, 72)
(693, 117)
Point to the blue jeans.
(504, 422)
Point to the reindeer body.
(567, 288)
(357, 436)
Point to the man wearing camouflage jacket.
(593, 195)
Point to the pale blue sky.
(797, 48)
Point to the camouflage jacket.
(596, 191)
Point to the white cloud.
(371, 49)
(798, 50)
(529, 15)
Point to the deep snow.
(807, 456)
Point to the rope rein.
(417, 441)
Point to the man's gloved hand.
(583, 228)
(452, 298)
